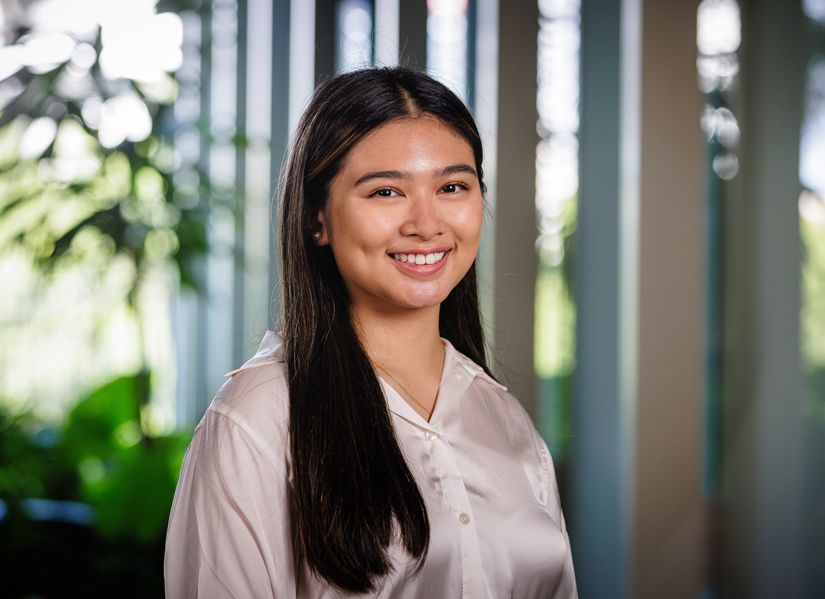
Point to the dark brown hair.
(352, 493)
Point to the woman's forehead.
(411, 145)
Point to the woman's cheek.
(468, 221)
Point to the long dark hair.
(351, 485)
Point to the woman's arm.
(567, 587)
(545, 485)
(229, 530)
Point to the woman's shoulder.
(255, 397)
(456, 361)
(511, 415)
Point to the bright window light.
(447, 43)
(719, 30)
(143, 48)
(123, 118)
(355, 35)
(38, 136)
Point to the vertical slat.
(222, 151)
(386, 32)
(201, 347)
(259, 61)
(301, 57)
(239, 251)
(325, 36)
(413, 33)
(279, 136)
(715, 275)
(668, 515)
(764, 467)
(516, 261)
(472, 16)
(485, 80)
(599, 505)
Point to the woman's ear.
(320, 235)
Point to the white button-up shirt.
(486, 476)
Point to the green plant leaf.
(92, 425)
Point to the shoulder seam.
(232, 373)
(245, 430)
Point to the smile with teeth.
(420, 258)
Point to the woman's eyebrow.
(382, 175)
(446, 171)
(457, 168)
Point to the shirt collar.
(457, 375)
(270, 350)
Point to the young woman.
(366, 450)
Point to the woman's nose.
(423, 219)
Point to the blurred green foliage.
(101, 459)
(812, 316)
(555, 339)
(85, 503)
(71, 193)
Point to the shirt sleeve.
(567, 585)
(547, 489)
(229, 532)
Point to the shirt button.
(429, 435)
(464, 518)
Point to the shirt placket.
(455, 494)
(454, 384)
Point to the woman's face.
(404, 215)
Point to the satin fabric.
(487, 478)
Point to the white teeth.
(420, 259)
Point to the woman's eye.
(454, 187)
(384, 192)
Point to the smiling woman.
(405, 196)
(367, 449)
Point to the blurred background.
(652, 264)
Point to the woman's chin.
(422, 302)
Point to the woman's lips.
(410, 263)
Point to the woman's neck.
(405, 343)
